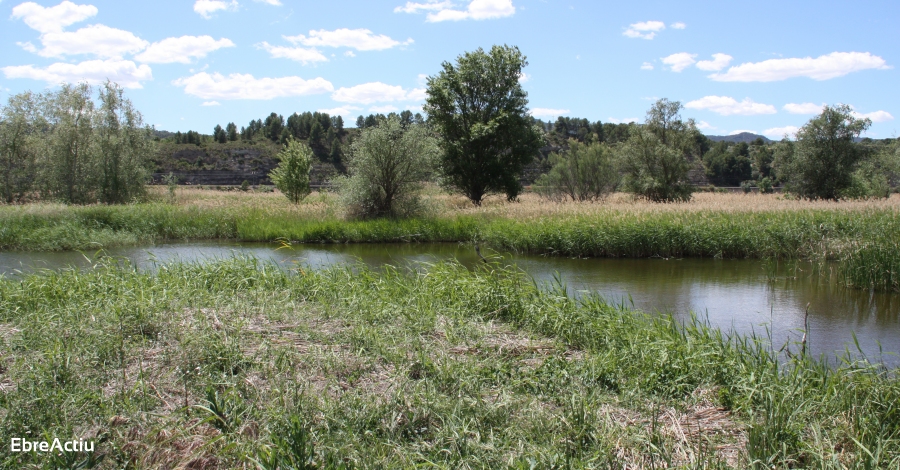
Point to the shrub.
(292, 174)
(587, 172)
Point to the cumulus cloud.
(432, 5)
(344, 111)
(206, 8)
(679, 61)
(359, 39)
(719, 62)
(548, 112)
(704, 125)
(836, 64)
(369, 93)
(781, 131)
(646, 66)
(524, 77)
(97, 39)
(349, 54)
(182, 49)
(875, 116)
(124, 72)
(678, 25)
(623, 120)
(644, 29)
(299, 54)
(477, 10)
(246, 87)
(803, 108)
(727, 106)
(276, 3)
(417, 94)
(211, 103)
(52, 19)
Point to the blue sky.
(762, 66)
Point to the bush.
(292, 174)
(587, 172)
(388, 162)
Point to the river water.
(743, 296)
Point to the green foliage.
(20, 132)
(124, 147)
(728, 165)
(586, 172)
(825, 157)
(479, 109)
(291, 176)
(655, 156)
(387, 165)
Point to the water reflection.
(740, 295)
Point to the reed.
(240, 364)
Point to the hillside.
(745, 137)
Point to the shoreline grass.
(861, 235)
(238, 364)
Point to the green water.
(744, 296)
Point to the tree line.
(69, 146)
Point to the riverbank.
(239, 363)
(863, 235)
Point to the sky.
(765, 67)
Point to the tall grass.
(237, 363)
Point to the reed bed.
(238, 364)
(859, 234)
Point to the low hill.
(747, 137)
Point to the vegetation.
(728, 165)
(584, 173)
(389, 163)
(237, 363)
(825, 155)
(478, 108)
(292, 175)
(656, 156)
(63, 146)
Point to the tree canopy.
(480, 111)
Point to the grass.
(237, 364)
(860, 234)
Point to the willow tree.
(480, 110)
(20, 127)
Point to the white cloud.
(182, 49)
(781, 131)
(432, 5)
(276, 3)
(97, 39)
(646, 66)
(369, 93)
(417, 94)
(548, 112)
(679, 61)
(245, 87)
(623, 120)
(299, 54)
(52, 19)
(211, 103)
(824, 67)
(123, 72)
(678, 25)
(719, 62)
(875, 116)
(349, 54)
(726, 106)
(345, 111)
(422, 79)
(477, 10)
(384, 109)
(704, 125)
(524, 77)
(803, 108)
(359, 39)
(644, 29)
(206, 8)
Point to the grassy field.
(237, 364)
(863, 235)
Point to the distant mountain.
(742, 137)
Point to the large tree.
(20, 130)
(656, 157)
(479, 108)
(825, 155)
